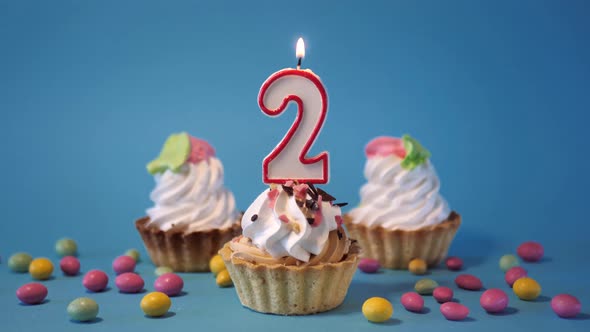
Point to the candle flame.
(300, 49)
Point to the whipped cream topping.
(277, 225)
(193, 197)
(399, 198)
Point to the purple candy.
(95, 280)
(129, 282)
(454, 263)
(412, 301)
(566, 306)
(513, 274)
(369, 265)
(123, 264)
(494, 300)
(454, 311)
(169, 283)
(70, 265)
(32, 293)
(469, 282)
(530, 251)
(442, 294)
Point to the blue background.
(497, 90)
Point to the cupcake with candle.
(193, 213)
(402, 215)
(294, 257)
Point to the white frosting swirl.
(397, 198)
(194, 197)
(277, 237)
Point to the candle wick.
(299, 63)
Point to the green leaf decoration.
(416, 154)
(173, 155)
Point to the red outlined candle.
(289, 160)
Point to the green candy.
(173, 155)
(82, 309)
(416, 154)
(20, 262)
(162, 269)
(425, 286)
(508, 261)
(133, 253)
(66, 247)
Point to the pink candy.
(442, 294)
(200, 150)
(412, 301)
(129, 282)
(169, 283)
(95, 281)
(384, 146)
(123, 264)
(566, 306)
(494, 300)
(369, 265)
(32, 293)
(70, 265)
(454, 311)
(454, 263)
(469, 282)
(514, 274)
(530, 251)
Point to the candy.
(369, 265)
(169, 283)
(161, 270)
(412, 301)
(425, 286)
(82, 309)
(454, 311)
(526, 288)
(385, 146)
(95, 280)
(216, 264)
(514, 274)
(174, 154)
(417, 266)
(469, 282)
(566, 306)
(530, 251)
(454, 263)
(442, 294)
(494, 300)
(155, 304)
(223, 279)
(416, 154)
(377, 309)
(123, 264)
(129, 282)
(66, 247)
(508, 261)
(20, 262)
(41, 268)
(32, 293)
(69, 265)
(133, 253)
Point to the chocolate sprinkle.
(300, 203)
(325, 195)
(311, 204)
(310, 221)
(254, 217)
(340, 204)
(288, 190)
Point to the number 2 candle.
(289, 159)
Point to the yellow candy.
(216, 264)
(417, 266)
(155, 304)
(223, 279)
(377, 309)
(526, 288)
(41, 268)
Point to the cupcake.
(402, 215)
(294, 257)
(193, 213)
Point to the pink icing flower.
(200, 150)
(385, 146)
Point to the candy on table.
(412, 301)
(129, 282)
(425, 286)
(417, 266)
(66, 247)
(514, 274)
(442, 294)
(223, 279)
(82, 309)
(123, 264)
(530, 251)
(469, 282)
(155, 304)
(95, 280)
(162, 269)
(454, 311)
(69, 265)
(526, 288)
(454, 263)
(494, 300)
(41, 268)
(133, 253)
(508, 261)
(566, 306)
(169, 283)
(20, 262)
(377, 309)
(32, 293)
(369, 265)
(216, 264)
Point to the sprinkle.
(313, 188)
(254, 217)
(339, 235)
(299, 203)
(327, 197)
(288, 190)
(311, 204)
(310, 221)
(272, 196)
(340, 204)
(295, 228)
(289, 183)
(284, 218)
(338, 220)
(300, 190)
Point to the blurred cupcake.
(193, 213)
(293, 258)
(401, 216)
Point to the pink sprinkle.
(284, 218)
(200, 150)
(289, 183)
(385, 146)
(272, 198)
(338, 220)
(317, 215)
(300, 191)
